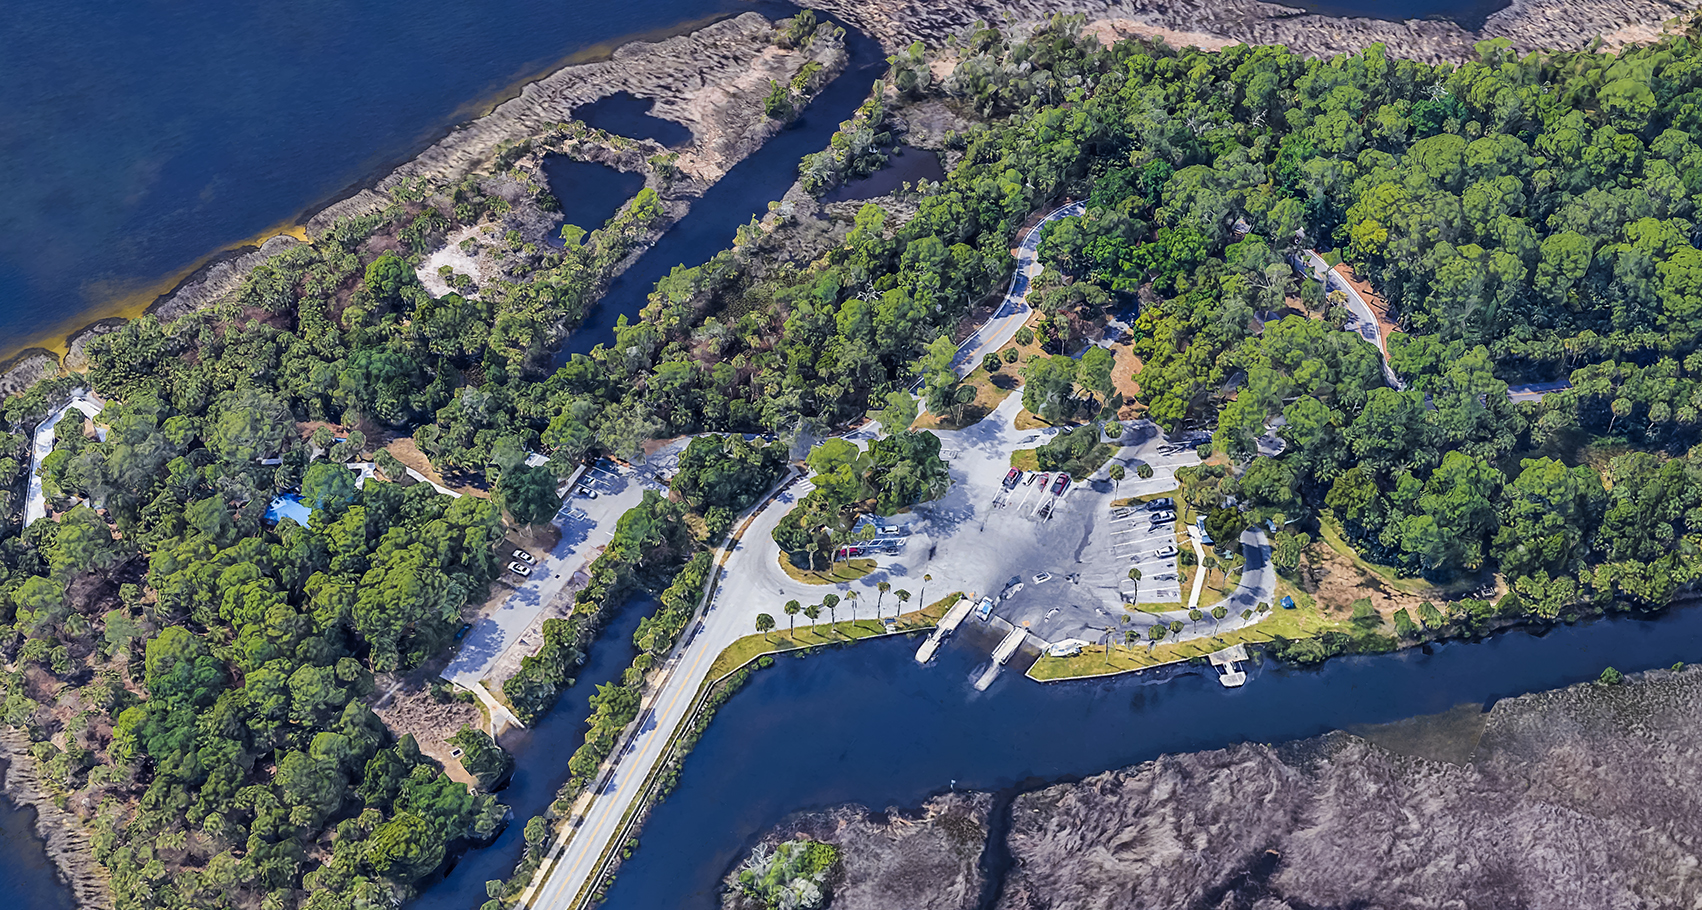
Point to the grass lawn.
(1027, 421)
(1331, 531)
(1026, 459)
(806, 636)
(1305, 621)
(837, 573)
(990, 390)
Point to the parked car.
(891, 530)
(520, 569)
(1165, 577)
(1159, 518)
(1165, 552)
(462, 632)
(1043, 578)
(524, 557)
(985, 610)
(1043, 479)
(1165, 503)
(1062, 484)
(1012, 476)
(586, 492)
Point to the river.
(867, 725)
(143, 138)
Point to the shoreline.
(1529, 24)
(62, 835)
(221, 270)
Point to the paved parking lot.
(586, 525)
(984, 539)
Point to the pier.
(948, 624)
(1001, 654)
(1226, 660)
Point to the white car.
(1043, 578)
(524, 557)
(1164, 552)
(1159, 518)
(520, 569)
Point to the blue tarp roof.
(288, 507)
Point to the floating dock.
(948, 624)
(1226, 660)
(1001, 654)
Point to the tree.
(792, 609)
(900, 412)
(764, 624)
(1195, 615)
(1135, 576)
(328, 486)
(1047, 383)
(1093, 372)
(851, 597)
(903, 598)
(922, 596)
(1218, 614)
(831, 602)
(1144, 471)
(1155, 633)
(1116, 473)
(812, 612)
(528, 494)
(882, 587)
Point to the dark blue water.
(27, 877)
(743, 193)
(904, 165)
(626, 114)
(541, 765)
(138, 138)
(867, 725)
(589, 192)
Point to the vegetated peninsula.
(1583, 797)
(280, 504)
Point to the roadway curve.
(1014, 310)
(749, 581)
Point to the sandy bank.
(1529, 24)
(67, 840)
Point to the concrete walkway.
(35, 504)
(1199, 567)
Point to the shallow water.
(27, 878)
(904, 165)
(589, 192)
(625, 114)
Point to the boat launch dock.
(948, 624)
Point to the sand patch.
(1110, 31)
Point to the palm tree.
(792, 608)
(1154, 632)
(764, 624)
(831, 602)
(1135, 576)
(883, 587)
(1217, 614)
(922, 599)
(1117, 474)
(812, 611)
(903, 598)
(851, 598)
(1194, 616)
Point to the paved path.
(1199, 567)
(1014, 310)
(35, 504)
(1534, 391)
(1369, 328)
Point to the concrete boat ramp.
(948, 624)
(1002, 654)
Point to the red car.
(1061, 484)
(1011, 478)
